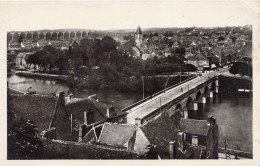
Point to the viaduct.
(46, 35)
(182, 97)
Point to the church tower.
(138, 37)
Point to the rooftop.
(197, 127)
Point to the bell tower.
(138, 37)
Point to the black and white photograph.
(129, 80)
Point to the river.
(233, 114)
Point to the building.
(14, 46)
(72, 115)
(198, 60)
(138, 37)
(21, 58)
(201, 135)
(154, 136)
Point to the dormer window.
(194, 141)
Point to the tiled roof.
(197, 57)
(160, 131)
(197, 127)
(72, 150)
(116, 134)
(37, 108)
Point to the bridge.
(46, 35)
(179, 97)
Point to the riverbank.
(42, 75)
(147, 84)
(235, 86)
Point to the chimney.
(62, 98)
(85, 118)
(70, 97)
(112, 105)
(71, 126)
(138, 122)
(181, 140)
(80, 134)
(172, 149)
(108, 112)
(211, 120)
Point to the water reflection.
(234, 118)
(45, 86)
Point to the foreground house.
(154, 137)
(201, 135)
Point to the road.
(145, 108)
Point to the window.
(194, 140)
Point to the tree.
(241, 68)
(221, 38)
(22, 139)
(108, 44)
(190, 67)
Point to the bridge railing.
(156, 94)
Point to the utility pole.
(143, 86)
(160, 104)
(180, 73)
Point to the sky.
(23, 16)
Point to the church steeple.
(138, 30)
(138, 37)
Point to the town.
(177, 74)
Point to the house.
(154, 134)
(197, 60)
(201, 134)
(14, 46)
(21, 58)
(149, 56)
(27, 44)
(72, 114)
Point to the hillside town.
(200, 47)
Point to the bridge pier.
(185, 113)
(195, 106)
(12, 36)
(211, 94)
(217, 89)
(204, 99)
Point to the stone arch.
(78, 35)
(29, 35)
(16, 37)
(54, 35)
(23, 35)
(84, 34)
(41, 36)
(198, 95)
(205, 90)
(35, 35)
(189, 101)
(9, 37)
(72, 35)
(60, 35)
(213, 85)
(178, 107)
(48, 36)
(66, 35)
